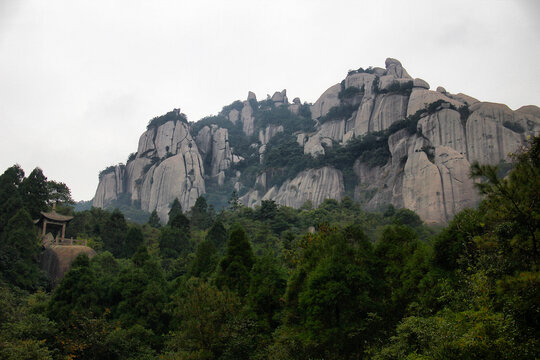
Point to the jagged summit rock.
(407, 145)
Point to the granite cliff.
(380, 137)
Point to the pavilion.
(53, 221)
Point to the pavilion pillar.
(63, 231)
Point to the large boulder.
(56, 259)
(325, 102)
(394, 68)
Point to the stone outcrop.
(180, 176)
(213, 143)
(421, 97)
(248, 121)
(326, 101)
(394, 68)
(56, 260)
(314, 185)
(427, 170)
(111, 185)
(168, 165)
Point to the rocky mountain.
(380, 137)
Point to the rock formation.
(430, 140)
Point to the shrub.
(343, 111)
(174, 115)
(350, 92)
(514, 126)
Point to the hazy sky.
(79, 80)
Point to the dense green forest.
(333, 282)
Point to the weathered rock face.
(180, 176)
(213, 143)
(427, 170)
(269, 132)
(248, 121)
(445, 128)
(489, 141)
(394, 68)
(314, 185)
(327, 100)
(388, 108)
(168, 165)
(420, 97)
(111, 185)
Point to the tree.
(515, 199)
(218, 235)
(200, 217)
(35, 192)
(234, 201)
(154, 220)
(203, 317)
(267, 211)
(234, 268)
(134, 240)
(174, 242)
(58, 193)
(266, 289)
(176, 209)
(205, 260)
(19, 251)
(114, 233)
(77, 294)
(140, 293)
(11, 201)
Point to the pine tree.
(35, 193)
(217, 234)
(19, 251)
(234, 268)
(114, 233)
(154, 221)
(176, 208)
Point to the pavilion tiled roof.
(56, 217)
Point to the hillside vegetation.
(273, 282)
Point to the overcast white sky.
(79, 80)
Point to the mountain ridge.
(379, 136)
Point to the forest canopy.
(333, 282)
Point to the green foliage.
(201, 316)
(234, 267)
(350, 92)
(174, 115)
(399, 88)
(19, 251)
(514, 126)
(281, 115)
(176, 209)
(200, 215)
(77, 294)
(134, 240)
(515, 199)
(340, 112)
(174, 241)
(206, 259)
(114, 233)
(360, 286)
(266, 289)
(237, 105)
(218, 235)
(154, 220)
